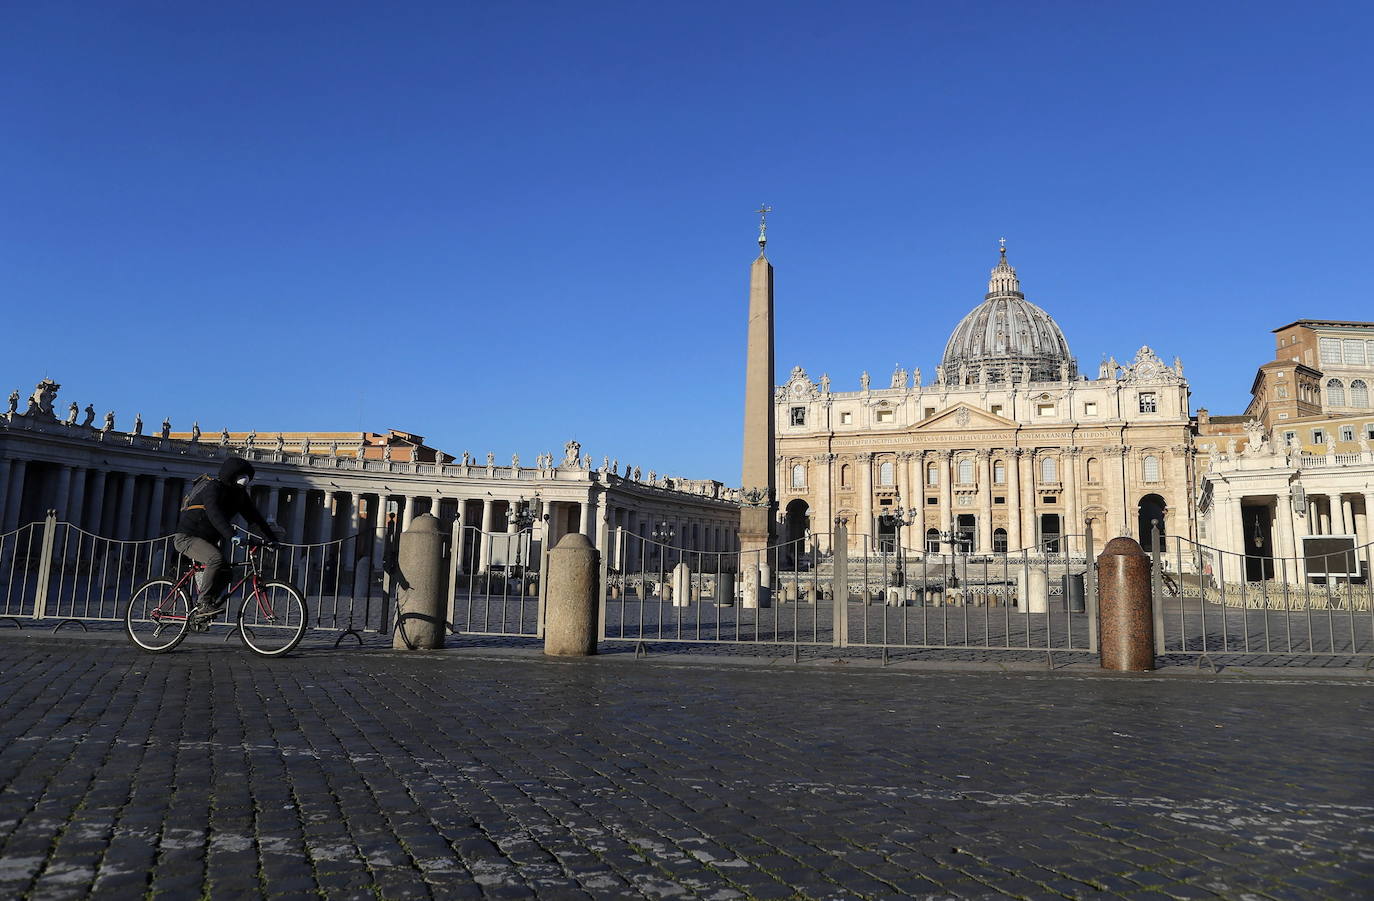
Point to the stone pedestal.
(570, 625)
(1126, 633)
(419, 602)
(751, 589)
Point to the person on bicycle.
(206, 519)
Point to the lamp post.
(899, 517)
(663, 535)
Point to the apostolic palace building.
(1009, 446)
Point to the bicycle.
(271, 621)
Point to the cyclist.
(206, 516)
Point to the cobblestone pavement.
(497, 773)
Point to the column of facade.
(587, 517)
(863, 465)
(1030, 534)
(946, 459)
(1347, 515)
(1283, 537)
(917, 479)
(15, 494)
(1073, 519)
(407, 511)
(155, 503)
(5, 465)
(984, 477)
(1014, 499)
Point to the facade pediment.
(963, 417)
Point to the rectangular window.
(930, 411)
(1090, 408)
(1318, 436)
(997, 409)
(1290, 439)
(1050, 499)
(1369, 431)
(1330, 350)
(1044, 409)
(885, 416)
(932, 500)
(1348, 433)
(999, 499)
(1354, 351)
(1283, 416)
(799, 416)
(846, 419)
(1149, 402)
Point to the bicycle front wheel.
(158, 616)
(273, 619)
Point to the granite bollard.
(1126, 632)
(420, 611)
(570, 627)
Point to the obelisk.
(757, 516)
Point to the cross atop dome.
(1003, 279)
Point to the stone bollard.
(725, 590)
(1126, 629)
(420, 599)
(894, 597)
(1034, 589)
(570, 623)
(752, 588)
(682, 585)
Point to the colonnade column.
(408, 513)
(865, 473)
(159, 491)
(484, 543)
(14, 495)
(1368, 518)
(4, 490)
(984, 502)
(1347, 515)
(64, 488)
(378, 531)
(97, 516)
(124, 515)
(1014, 499)
(1283, 528)
(298, 507)
(78, 497)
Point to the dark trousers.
(216, 576)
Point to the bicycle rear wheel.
(158, 616)
(273, 619)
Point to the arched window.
(799, 476)
(932, 474)
(999, 541)
(1335, 393)
(999, 472)
(1049, 470)
(846, 476)
(1151, 468)
(966, 472)
(932, 541)
(1359, 393)
(1094, 471)
(885, 472)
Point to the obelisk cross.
(763, 211)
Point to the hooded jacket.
(209, 508)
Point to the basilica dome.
(1006, 338)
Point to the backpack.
(197, 492)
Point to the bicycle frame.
(251, 574)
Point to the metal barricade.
(494, 583)
(1209, 601)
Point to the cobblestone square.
(363, 773)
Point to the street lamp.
(899, 517)
(663, 539)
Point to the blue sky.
(506, 225)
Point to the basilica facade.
(1008, 447)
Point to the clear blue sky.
(502, 225)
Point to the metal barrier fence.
(53, 571)
(793, 593)
(503, 593)
(1209, 601)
